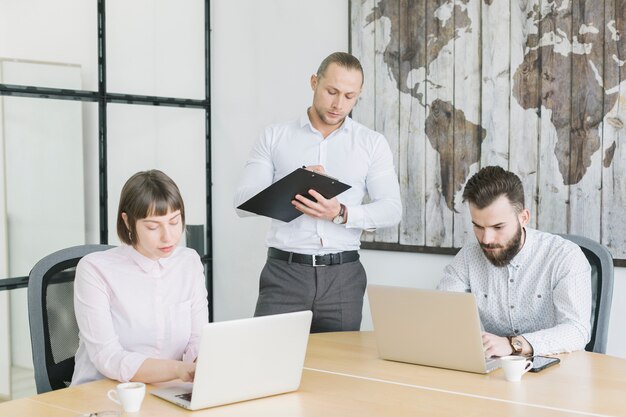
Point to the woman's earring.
(130, 236)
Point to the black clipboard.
(275, 200)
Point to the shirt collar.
(526, 251)
(345, 126)
(146, 264)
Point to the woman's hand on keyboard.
(186, 371)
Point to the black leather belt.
(314, 260)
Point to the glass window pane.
(43, 198)
(156, 48)
(44, 31)
(170, 139)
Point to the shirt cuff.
(355, 217)
(535, 342)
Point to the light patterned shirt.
(543, 294)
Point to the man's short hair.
(491, 182)
(147, 193)
(343, 59)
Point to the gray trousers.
(333, 293)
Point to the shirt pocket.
(178, 328)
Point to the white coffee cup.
(514, 367)
(129, 395)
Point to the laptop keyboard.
(186, 396)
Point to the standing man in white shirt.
(533, 289)
(313, 261)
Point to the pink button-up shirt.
(130, 308)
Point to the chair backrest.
(53, 328)
(601, 263)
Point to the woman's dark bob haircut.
(147, 193)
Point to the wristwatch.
(516, 345)
(338, 219)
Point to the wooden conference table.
(344, 377)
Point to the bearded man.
(533, 289)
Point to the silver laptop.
(428, 327)
(240, 360)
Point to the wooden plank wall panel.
(496, 88)
(468, 133)
(614, 132)
(525, 98)
(587, 114)
(411, 164)
(610, 134)
(535, 86)
(556, 76)
(363, 32)
(614, 182)
(387, 45)
(439, 123)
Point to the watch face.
(338, 219)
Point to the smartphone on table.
(542, 362)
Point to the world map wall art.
(537, 87)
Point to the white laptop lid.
(427, 327)
(240, 360)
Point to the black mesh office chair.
(53, 328)
(601, 263)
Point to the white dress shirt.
(353, 154)
(130, 308)
(543, 294)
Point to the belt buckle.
(315, 265)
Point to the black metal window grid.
(102, 97)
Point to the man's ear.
(524, 217)
(313, 82)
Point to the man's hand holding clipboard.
(318, 207)
(306, 190)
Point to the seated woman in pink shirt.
(140, 307)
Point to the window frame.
(102, 97)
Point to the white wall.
(261, 63)
(263, 54)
